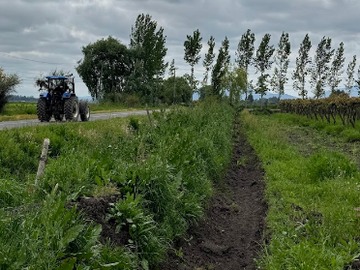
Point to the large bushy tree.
(244, 53)
(321, 68)
(236, 82)
(105, 66)
(8, 82)
(336, 69)
(192, 48)
(262, 63)
(147, 42)
(281, 64)
(176, 90)
(220, 68)
(301, 70)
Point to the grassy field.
(312, 191)
(160, 172)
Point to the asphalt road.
(93, 117)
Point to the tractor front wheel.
(71, 109)
(42, 110)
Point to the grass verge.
(161, 171)
(313, 216)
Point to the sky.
(39, 36)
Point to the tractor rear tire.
(71, 109)
(41, 110)
(84, 111)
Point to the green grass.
(346, 132)
(163, 172)
(312, 221)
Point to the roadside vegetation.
(160, 173)
(313, 215)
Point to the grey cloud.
(55, 31)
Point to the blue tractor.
(58, 99)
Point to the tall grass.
(313, 219)
(162, 172)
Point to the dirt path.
(230, 236)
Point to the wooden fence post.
(43, 159)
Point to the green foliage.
(147, 42)
(244, 53)
(162, 174)
(209, 59)
(142, 228)
(350, 74)
(236, 82)
(262, 63)
(220, 69)
(176, 90)
(282, 60)
(320, 68)
(302, 65)
(105, 66)
(16, 108)
(8, 82)
(45, 236)
(311, 218)
(329, 165)
(336, 69)
(192, 48)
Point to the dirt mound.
(97, 210)
(230, 236)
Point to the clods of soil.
(97, 210)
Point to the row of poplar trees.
(110, 68)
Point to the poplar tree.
(209, 59)
(321, 69)
(192, 47)
(245, 52)
(336, 69)
(220, 68)
(281, 64)
(302, 67)
(147, 42)
(358, 81)
(350, 80)
(262, 63)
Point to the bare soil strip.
(231, 235)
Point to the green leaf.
(67, 264)
(71, 234)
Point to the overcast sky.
(38, 36)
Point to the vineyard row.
(329, 109)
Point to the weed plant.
(162, 172)
(313, 216)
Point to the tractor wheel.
(71, 109)
(84, 111)
(42, 112)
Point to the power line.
(32, 60)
